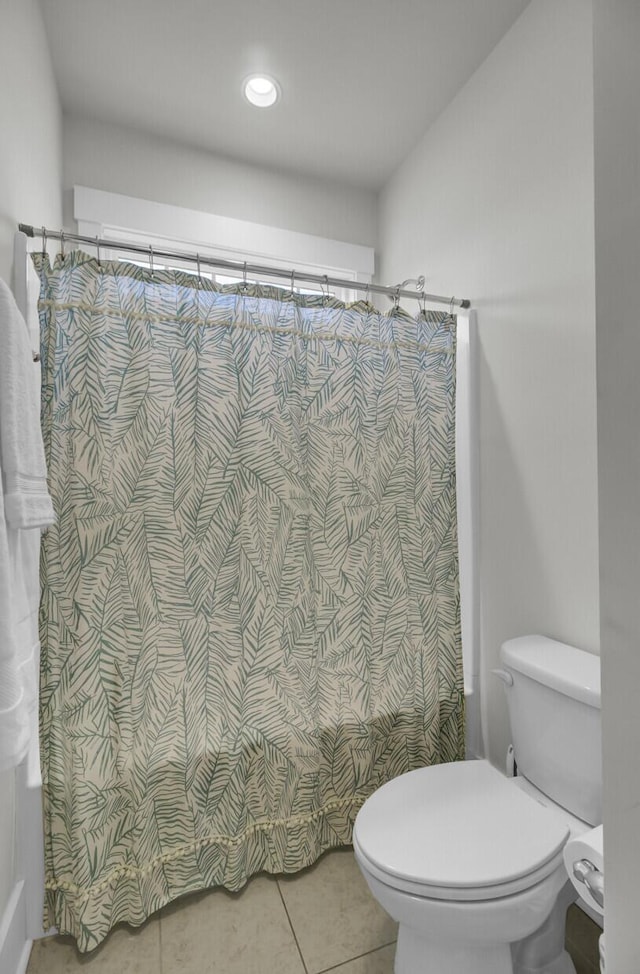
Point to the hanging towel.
(32, 315)
(26, 499)
(24, 503)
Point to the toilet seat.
(459, 893)
(458, 831)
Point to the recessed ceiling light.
(260, 90)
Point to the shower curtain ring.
(151, 260)
(98, 250)
(244, 277)
(453, 301)
(396, 300)
(44, 242)
(293, 281)
(62, 245)
(423, 301)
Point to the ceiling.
(361, 79)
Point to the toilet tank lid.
(563, 668)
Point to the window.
(116, 217)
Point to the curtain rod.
(240, 266)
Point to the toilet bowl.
(471, 867)
(470, 861)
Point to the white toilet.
(470, 862)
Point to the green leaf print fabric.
(250, 605)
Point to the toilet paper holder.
(585, 872)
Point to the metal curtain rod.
(241, 267)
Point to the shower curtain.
(250, 607)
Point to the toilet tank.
(554, 713)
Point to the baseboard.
(15, 948)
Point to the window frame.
(167, 227)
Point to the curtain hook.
(62, 245)
(44, 242)
(366, 292)
(98, 250)
(293, 281)
(423, 302)
(151, 260)
(244, 277)
(396, 300)
(451, 306)
(325, 297)
(198, 267)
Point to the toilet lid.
(458, 826)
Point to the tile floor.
(321, 919)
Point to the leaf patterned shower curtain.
(250, 608)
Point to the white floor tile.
(334, 915)
(377, 962)
(126, 950)
(230, 933)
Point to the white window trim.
(111, 215)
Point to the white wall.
(617, 226)
(496, 204)
(122, 160)
(30, 179)
(30, 126)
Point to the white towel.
(32, 316)
(26, 500)
(24, 503)
(14, 716)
